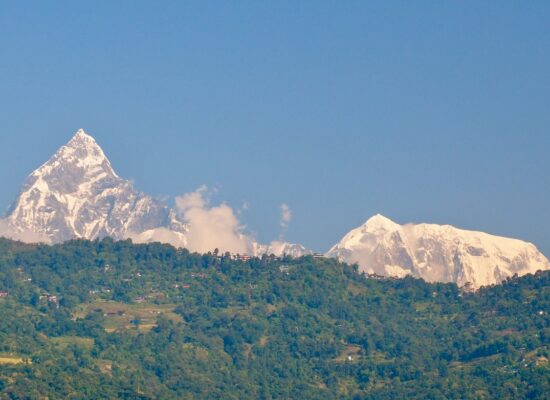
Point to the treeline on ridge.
(111, 319)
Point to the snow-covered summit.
(77, 194)
(379, 220)
(81, 136)
(85, 151)
(440, 253)
(379, 223)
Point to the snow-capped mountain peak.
(82, 152)
(81, 139)
(81, 136)
(76, 193)
(379, 223)
(440, 253)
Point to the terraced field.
(117, 316)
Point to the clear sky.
(424, 111)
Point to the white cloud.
(192, 200)
(211, 227)
(286, 217)
(244, 207)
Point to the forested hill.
(110, 320)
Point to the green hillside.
(110, 320)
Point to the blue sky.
(422, 111)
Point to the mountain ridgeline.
(437, 253)
(77, 194)
(116, 320)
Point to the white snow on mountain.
(77, 194)
(439, 253)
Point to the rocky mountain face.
(77, 194)
(439, 253)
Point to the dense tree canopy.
(104, 319)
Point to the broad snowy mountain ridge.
(436, 253)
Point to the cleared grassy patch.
(350, 354)
(10, 359)
(64, 341)
(263, 341)
(118, 316)
(422, 306)
(356, 289)
(105, 366)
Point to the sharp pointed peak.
(81, 151)
(81, 132)
(82, 141)
(81, 135)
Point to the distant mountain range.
(77, 194)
